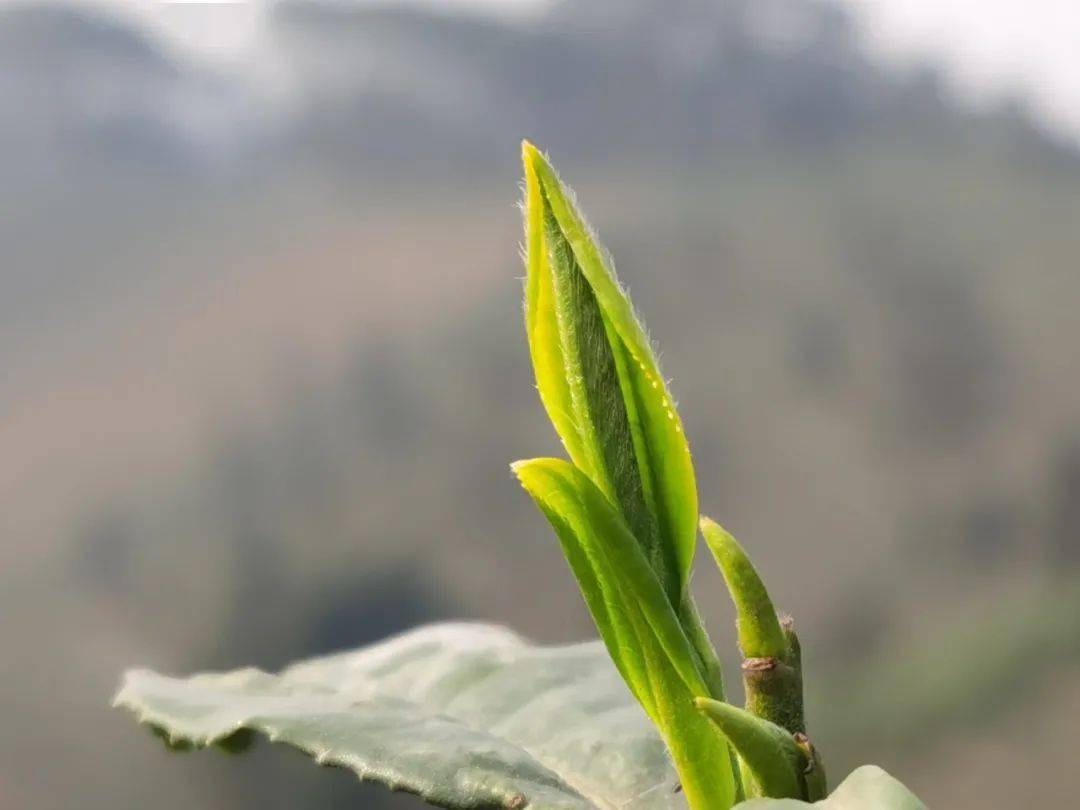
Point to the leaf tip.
(531, 157)
(520, 469)
(531, 472)
(760, 632)
(522, 465)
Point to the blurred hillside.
(260, 324)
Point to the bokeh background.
(262, 366)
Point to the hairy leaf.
(636, 622)
(772, 673)
(760, 634)
(600, 382)
(770, 753)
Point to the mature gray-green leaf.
(466, 716)
(866, 788)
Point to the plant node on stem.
(774, 686)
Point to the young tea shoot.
(470, 716)
(625, 510)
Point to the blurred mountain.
(351, 85)
(82, 90)
(103, 134)
(595, 81)
(263, 364)
(108, 130)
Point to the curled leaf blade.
(541, 325)
(637, 623)
(643, 462)
(760, 633)
(619, 567)
(770, 753)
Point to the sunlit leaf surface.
(600, 381)
(637, 623)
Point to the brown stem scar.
(804, 743)
(759, 664)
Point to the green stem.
(772, 669)
(774, 685)
(760, 633)
(772, 665)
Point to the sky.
(990, 48)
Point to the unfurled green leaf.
(866, 788)
(463, 715)
(637, 623)
(600, 382)
(587, 522)
(772, 757)
(760, 633)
